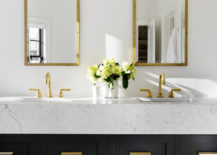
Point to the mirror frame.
(77, 63)
(160, 64)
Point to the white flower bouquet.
(110, 71)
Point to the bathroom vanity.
(83, 126)
(107, 127)
(107, 144)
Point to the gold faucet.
(171, 94)
(149, 94)
(39, 95)
(48, 81)
(161, 79)
(61, 95)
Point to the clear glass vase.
(112, 91)
(96, 90)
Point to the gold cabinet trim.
(207, 153)
(140, 153)
(71, 153)
(77, 63)
(6, 153)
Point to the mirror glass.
(52, 32)
(160, 32)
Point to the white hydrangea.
(92, 70)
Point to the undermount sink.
(179, 99)
(35, 99)
(32, 99)
(8, 99)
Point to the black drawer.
(192, 145)
(156, 145)
(86, 144)
(18, 144)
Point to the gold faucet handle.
(39, 95)
(171, 94)
(149, 94)
(61, 92)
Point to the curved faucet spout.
(48, 81)
(162, 80)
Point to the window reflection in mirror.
(37, 44)
(161, 32)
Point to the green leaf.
(125, 81)
(115, 76)
(96, 76)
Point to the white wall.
(143, 11)
(98, 19)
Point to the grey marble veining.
(110, 117)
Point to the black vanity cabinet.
(107, 144)
(18, 145)
(156, 145)
(72, 145)
(193, 145)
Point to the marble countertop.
(120, 116)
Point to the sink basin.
(8, 99)
(32, 99)
(35, 99)
(204, 100)
(180, 99)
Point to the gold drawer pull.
(6, 153)
(140, 153)
(71, 153)
(207, 153)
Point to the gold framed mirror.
(52, 32)
(160, 32)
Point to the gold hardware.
(39, 95)
(48, 81)
(161, 78)
(160, 64)
(51, 64)
(140, 153)
(61, 92)
(71, 153)
(171, 94)
(207, 153)
(6, 153)
(149, 94)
